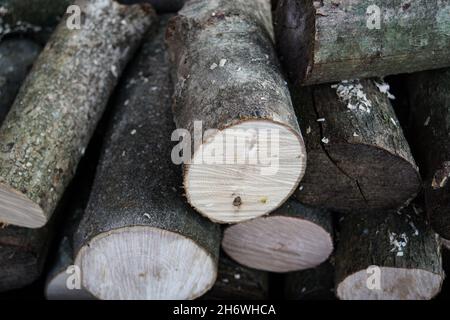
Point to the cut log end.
(267, 163)
(149, 263)
(278, 244)
(17, 209)
(377, 179)
(396, 284)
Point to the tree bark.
(358, 157)
(228, 78)
(16, 58)
(170, 251)
(311, 284)
(160, 6)
(327, 41)
(236, 282)
(429, 95)
(292, 238)
(30, 14)
(402, 247)
(22, 255)
(58, 107)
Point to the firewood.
(138, 238)
(387, 256)
(358, 156)
(160, 6)
(292, 238)
(429, 96)
(16, 58)
(228, 80)
(19, 15)
(328, 41)
(312, 284)
(236, 282)
(58, 107)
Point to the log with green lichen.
(333, 40)
(228, 81)
(387, 256)
(139, 239)
(59, 105)
(429, 98)
(358, 156)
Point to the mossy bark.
(60, 103)
(333, 40)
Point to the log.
(22, 255)
(138, 238)
(387, 256)
(358, 157)
(292, 238)
(430, 121)
(160, 6)
(19, 15)
(328, 41)
(311, 284)
(58, 108)
(16, 59)
(236, 282)
(230, 96)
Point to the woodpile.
(225, 150)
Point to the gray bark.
(236, 282)
(58, 107)
(160, 6)
(136, 182)
(358, 157)
(16, 58)
(429, 96)
(311, 284)
(327, 41)
(388, 240)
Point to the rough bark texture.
(429, 94)
(402, 241)
(226, 69)
(236, 282)
(24, 15)
(58, 107)
(16, 58)
(136, 182)
(161, 6)
(326, 41)
(311, 284)
(358, 157)
(22, 255)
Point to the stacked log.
(58, 108)
(138, 238)
(328, 41)
(312, 284)
(387, 256)
(236, 282)
(248, 154)
(292, 238)
(358, 157)
(430, 114)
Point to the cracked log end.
(279, 243)
(149, 263)
(230, 192)
(17, 209)
(397, 284)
